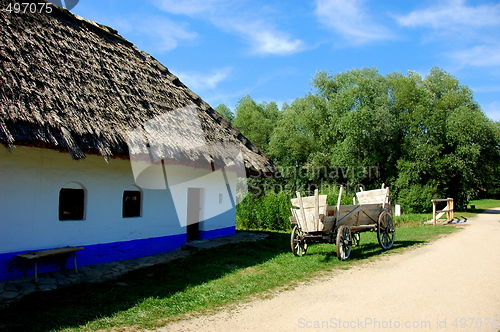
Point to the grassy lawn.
(483, 204)
(205, 281)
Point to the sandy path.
(452, 284)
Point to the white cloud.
(351, 20)
(201, 81)
(252, 25)
(168, 32)
(270, 42)
(487, 88)
(468, 29)
(264, 38)
(165, 33)
(451, 15)
(481, 56)
(189, 7)
(492, 110)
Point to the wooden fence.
(448, 210)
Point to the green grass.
(483, 204)
(205, 281)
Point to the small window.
(71, 204)
(131, 204)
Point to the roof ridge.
(72, 84)
(89, 23)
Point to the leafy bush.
(417, 198)
(245, 213)
(271, 211)
(333, 195)
(275, 211)
(411, 132)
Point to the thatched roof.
(71, 84)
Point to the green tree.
(490, 164)
(256, 121)
(223, 110)
(297, 134)
(447, 140)
(359, 132)
(425, 136)
(295, 145)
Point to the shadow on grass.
(487, 211)
(478, 210)
(363, 251)
(79, 304)
(373, 249)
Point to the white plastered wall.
(215, 200)
(30, 180)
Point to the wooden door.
(194, 205)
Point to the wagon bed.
(314, 221)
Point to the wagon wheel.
(386, 231)
(297, 242)
(356, 238)
(344, 243)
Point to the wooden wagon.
(316, 222)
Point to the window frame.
(72, 203)
(132, 210)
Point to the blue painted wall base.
(12, 267)
(205, 235)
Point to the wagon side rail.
(359, 215)
(376, 196)
(309, 212)
(365, 214)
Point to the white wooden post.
(434, 212)
(337, 211)
(316, 208)
(302, 212)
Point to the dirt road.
(452, 284)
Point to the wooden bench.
(49, 252)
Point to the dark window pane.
(71, 204)
(131, 204)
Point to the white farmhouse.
(102, 147)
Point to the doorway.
(193, 216)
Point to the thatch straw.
(71, 84)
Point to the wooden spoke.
(297, 242)
(344, 243)
(386, 230)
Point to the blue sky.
(270, 50)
